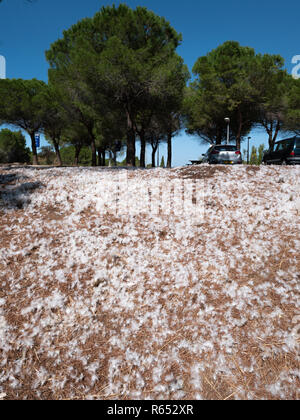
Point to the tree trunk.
(110, 162)
(130, 154)
(239, 133)
(153, 158)
(77, 153)
(94, 152)
(270, 139)
(34, 150)
(219, 136)
(154, 150)
(272, 136)
(143, 149)
(57, 152)
(99, 155)
(114, 158)
(169, 162)
(277, 129)
(270, 133)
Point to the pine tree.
(260, 154)
(253, 157)
(21, 106)
(130, 55)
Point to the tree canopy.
(13, 147)
(273, 85)
(233, 81)
(22, 106)
(222, 88)
(129, 53)
(291, 121)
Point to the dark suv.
(284, 152)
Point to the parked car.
(223, 154)
(196, 162)
(284, 152)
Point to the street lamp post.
(228, 128)
(248, 160)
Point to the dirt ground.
(98, 303)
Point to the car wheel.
(284, 162)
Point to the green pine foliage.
(253, 156)
(132, 66)
(13, 147)
(260, 154)
(68, 156)
(21, 106)
(253, 90)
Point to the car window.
(289, 143)
(283, 145)
(279, 147)
(226, 148)
(298, 144)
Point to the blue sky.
(269, 26)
